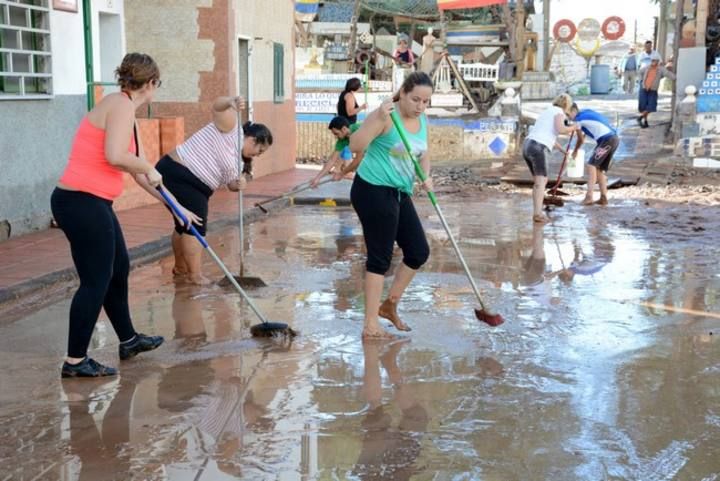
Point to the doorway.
(244, 79)
(111, 52)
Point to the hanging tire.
(571, 32)
(606, 28)
(362, 56)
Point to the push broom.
(482, 313)
(553, 199)
(300, 188)
(248, 282)
(264, 328)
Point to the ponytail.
(413, 80)
(261, 134)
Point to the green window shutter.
(278, 73)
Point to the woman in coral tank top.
(105, 145)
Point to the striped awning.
(305, 10)
(455, 4)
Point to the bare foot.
(541, 219)
(199, 280)
(388, 310)
(179, 272)
(376, 333)
(587, 201)
(603, 201)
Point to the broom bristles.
(493, 320)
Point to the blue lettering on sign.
(485, 125)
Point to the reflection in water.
(188, 316)
(390, 447)
(100, 451)
(608, 373)
(602, 252)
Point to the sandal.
(541, 219)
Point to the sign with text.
(326, 102)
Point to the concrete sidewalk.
(33, 262)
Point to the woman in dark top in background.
(347, 105)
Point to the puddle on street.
(607, 366)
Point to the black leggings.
(102, 263)
(388, 215)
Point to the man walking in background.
(629, 71)
(650, 77)
(647, 54)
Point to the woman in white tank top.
(537, 148)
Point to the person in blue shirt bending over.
(598, 128)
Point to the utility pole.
(635, 34)
(353, 29)
(520, 37)
(510, 29)
(546, 33)
(676, 48)
(661, 46)
(701, 16)
(515, 25)
(443, 29)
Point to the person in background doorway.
(649, 83)
(347, 105)
(106, 145)
(202, 164)
(629, 68)
(598, 128)
(537, 149)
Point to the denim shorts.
(536, 157)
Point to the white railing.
(479, 72)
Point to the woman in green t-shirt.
(381, 196)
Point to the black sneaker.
(87, 368)
(645, 124)
(140, 343)
(639, 121)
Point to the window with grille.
(278, 73)
(25, 55)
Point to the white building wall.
(264, 34)
(68, 52)
(36, 135)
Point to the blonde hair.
(564, 101)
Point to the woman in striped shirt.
(202, 164)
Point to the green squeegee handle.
(418, 169)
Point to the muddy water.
(608, 366)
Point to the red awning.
(455, 4)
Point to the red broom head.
(493, 320)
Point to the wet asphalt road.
(607, 367)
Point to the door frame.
(249, 99)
